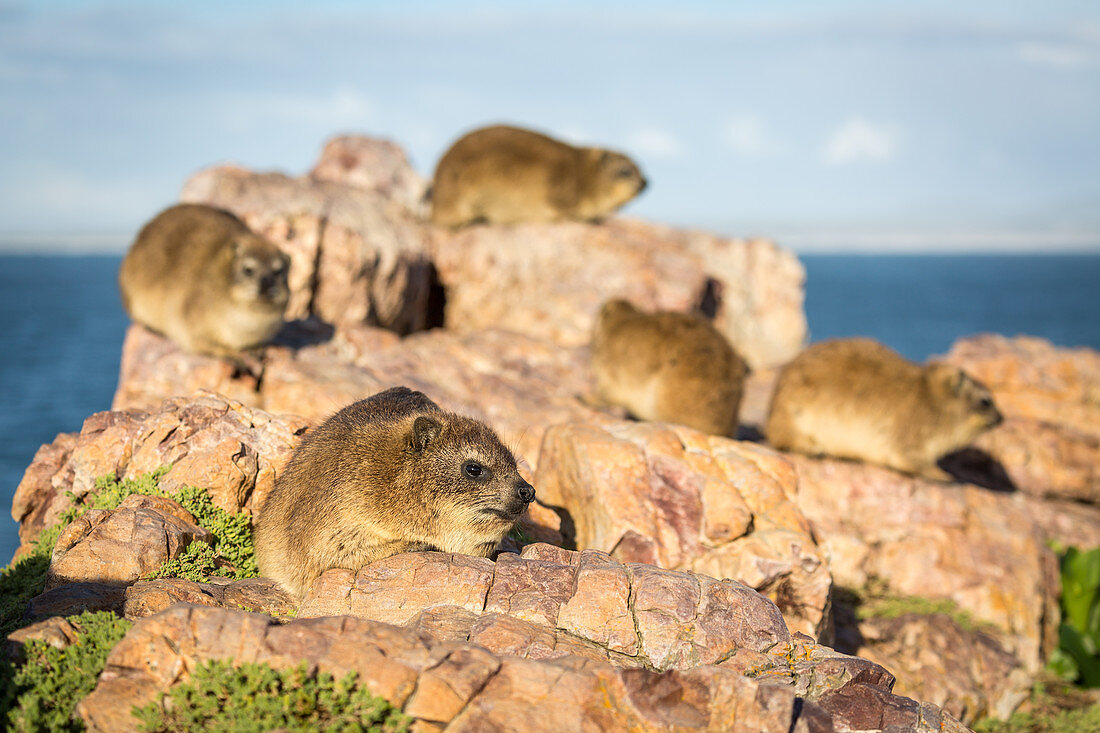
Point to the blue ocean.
(64, 324)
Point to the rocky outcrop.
(549, 280)
(978, 548)
(935, 658)
(209, 441)
(673, 497)
(361, 253)
(517, 384)
(462, 686)
(1049, 443)
(120, 546)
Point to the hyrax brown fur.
(388, 474)
(668, 367)
(201, 277)
(857, 399)
(508, 175)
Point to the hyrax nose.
(525, 491)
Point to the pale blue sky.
(827, 124)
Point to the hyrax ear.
(424, 431)
(946, 380)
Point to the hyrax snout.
(858, 399)
(391, 473)
(201, 277)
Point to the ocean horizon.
(65, 325)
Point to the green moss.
(1054, 707)
(876, 601)
(234, 551)
(256, 697)
(42, 693)
(19, 583)
(232, 555)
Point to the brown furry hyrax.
(669, 367)
(507, 175)
(388, 474)
(857, 399)
(202, 278)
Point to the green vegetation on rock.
(1054, 707)
(232, 554)
(876, 601)
(1077, 658)
(256, 697)
(42, 693)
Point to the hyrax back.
(857, 399)
(668, 367)
(388, 474)
(202, 278)
(508, 175)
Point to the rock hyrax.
(202, 278)
(388, 474)
(507, 175)
(857, 399)
(670, 367)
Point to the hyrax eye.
(473, 469)
(985, 403)
(248, 270)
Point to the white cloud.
(746, 135)
(1059, 55)
(654, 142)
(861, 141)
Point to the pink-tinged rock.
(211, 442)
(35, 491)
(667, 495)
(965, 671)
(374, 165)
(153, 369)
(451, 684)
(1049, 443)
(549, 280)
(124, 544)
(979, 548)
(356, 255)
(397, 588)
(259, 595)
(663, 618)
(55, 631)
(361, 253)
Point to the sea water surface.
(63, 326)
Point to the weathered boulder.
(373, 165)
(549, 280)
(1049, 443)
(979, 548)
(121, 545)
(674, 497)
(935, 658)
(356, 256)
(467, 688)
(517, 384)
(635, 613)
(361, 252)
(210, 441)
(260, 595)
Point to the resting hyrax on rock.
(855, 398)
(507, 175)
(669, 367)
(388, 474)
(202, 278)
